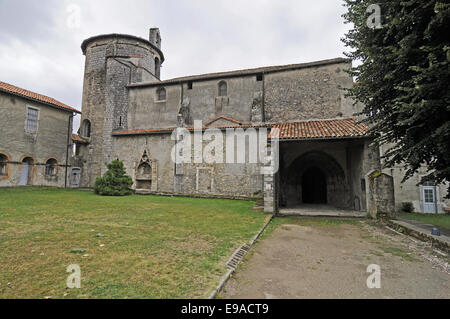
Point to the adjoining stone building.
(35, 138)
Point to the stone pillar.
(270, 172)
(269, 194)
(380, 195)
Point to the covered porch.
(322, 168)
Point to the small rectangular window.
(32, 119)
(259, 77)
(190, 85)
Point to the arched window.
(161, 94)
(157, 68)
(3, 165)
(223, 88)
(86, 129)
(50, 168)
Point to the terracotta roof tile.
(78, 139)
(171, 129)
(292, 131)
(320, 129)
(9, 88)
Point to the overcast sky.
(40, 40)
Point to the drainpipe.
(436, 199)
(69, 136)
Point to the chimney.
(155, 37)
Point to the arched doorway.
(26, 171)
(314, 186)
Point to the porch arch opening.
(315, 178)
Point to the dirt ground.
(331, 262)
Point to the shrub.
(115, 182)
(407, 207)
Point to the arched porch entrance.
(314, 178)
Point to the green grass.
(399, 252)
(127, 247)
(433, 219)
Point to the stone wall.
(202, 102)
(50, 141)
(282, 96)
(207, 180)
(308, 93)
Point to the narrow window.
(120, 121)
(50, 168)
(86, 128)
(32, 119)
(3, 165)
(223, 89)
(259, 77)
(161, 94)
(157, 68)
(190, 84)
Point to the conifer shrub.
(114, 182)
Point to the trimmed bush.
(115, 182)
(407, 207)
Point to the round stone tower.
(113, 61)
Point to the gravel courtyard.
(307, 258)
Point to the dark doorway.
(314, 186)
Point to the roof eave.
(129, 36)
(42, 102)
(233, 74)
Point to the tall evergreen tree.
(403, 80)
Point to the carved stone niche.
(147, 174)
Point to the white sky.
(40, 40)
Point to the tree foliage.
(114, 182)
(403, 81)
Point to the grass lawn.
(134, 247)
(433, 219)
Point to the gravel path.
(331, 262)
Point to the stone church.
(128, 113)
(323, 155)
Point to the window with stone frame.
(32, 119)
(86, 128)
(51, 168)
(161, 94)
(223, 88)
(3, 165)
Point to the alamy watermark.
(74, 279)
(73, 20)
(231, 146)
(374, 20)
(374, 280)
